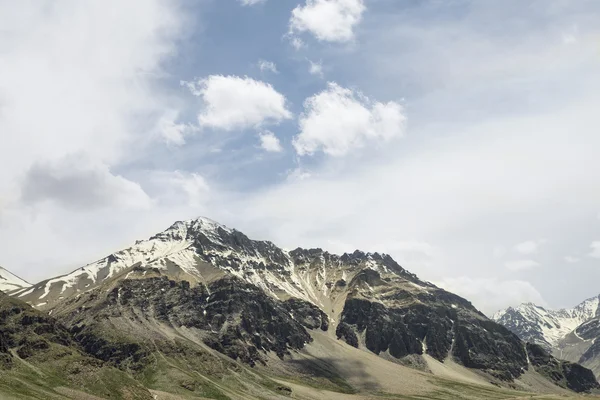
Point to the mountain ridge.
(546, 326)
(572, 334)
(200, 290)
(234, 252)
(9, 282)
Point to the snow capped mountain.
(201, 250)
(246, 298)
(546, 327)
(10, 282)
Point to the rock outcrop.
(563, 373)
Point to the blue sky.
(459, 136)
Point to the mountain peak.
(205, 223)
(545, 326)
(201, 249)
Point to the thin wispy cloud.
(595, 246)
(267, 66)
(252, 2)
(529, 247)
(316, 68)
(521, 265)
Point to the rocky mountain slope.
(39, 359)
(10, 282)
(569, 334)
(189, 307)
(546, 327)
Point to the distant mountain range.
(202, 311)
(571, 334)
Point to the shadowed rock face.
(232, 316)
(31, 340)
(563, 373)
(27, 331)
(590, 331)
(438, 330)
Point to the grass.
(452, 390)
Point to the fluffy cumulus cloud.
(233, 102)
(328, 20)
(521, 265)
(490, 295)
(80, 91)
(338, 120)
(503, 143)
(76, 77)
(595, 246)
(269, 142)
(572, 259)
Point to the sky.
(459, 136)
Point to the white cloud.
(411, 254)
(75, 183)
(252, 2)
(504, 136)
(102, 57)
(529, 247)
(267, 66)
(572, 259)
(297, 175)
(81, 88)
(328, 20)
(521, 265)
(338, 120)
(171, 131)
(193, 185)
(233, 102)
(297, 43)
(316, 68)
(491, 295)
(269, 142)
(595, 246)
(410, 246)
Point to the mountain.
(202, 310)
(570, 334)
(10, 282)
(39, 359)
(543, 326)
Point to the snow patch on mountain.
(201, 248)
(545, 326)
(10, 282)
